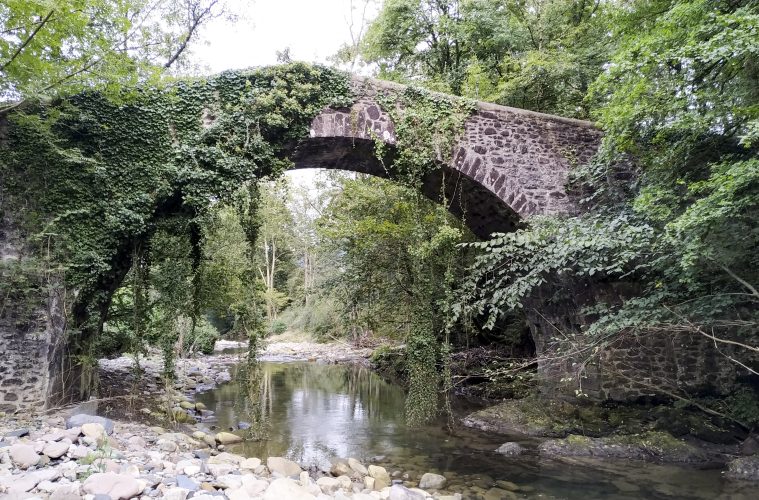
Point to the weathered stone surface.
(56, 449)
(357, 466)
(250, 464)
(510, 449)
(94, 430)
(328, 485)
(282, 488)
(400, 492)
(81, 418)
(228, 438)
(340, 468)
(283, 466)
(176, 494)
(508, 164)
(379, 474)
(744, 468)
(430, 481)
(23, 455)
(652, 445)
(117, 486)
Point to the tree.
(273, 254)
(536, 54)
(67, 45)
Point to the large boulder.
(23, 455)
(283, 466)
(116, 486)
(82, 418)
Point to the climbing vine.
(427, 127)
(100, 173)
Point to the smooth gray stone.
(82, 418)
(17, 433)
(187, 483)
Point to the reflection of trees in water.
(254, 402)
(310, 412)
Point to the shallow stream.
(314, 412)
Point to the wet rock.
(283, 466)
(357, 466)
(432, 481)
(228, 438)
(82, 418)
(744, 468)
(400, 492)
(750, 446)
(117, 486)
(498, 494)
(646, 446)
(243, 426)
(186, 405)
(23, 455)
(283, 487)
(510, 449)
(200, 406)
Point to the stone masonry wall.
(629, 366)
(30, 334)
(508, 164)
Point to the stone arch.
(508, 164)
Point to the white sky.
(312, 29)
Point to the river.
(312, 413)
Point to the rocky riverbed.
(99, 459)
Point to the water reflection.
(311, 413)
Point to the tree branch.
(28, 39)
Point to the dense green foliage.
(539, 55)
(135, 181)
(47, 48)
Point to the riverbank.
(85, 456)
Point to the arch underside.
(481, 210)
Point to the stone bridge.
(509, 163)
